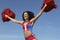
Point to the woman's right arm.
(19, 22)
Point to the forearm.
(11, 19)
(40, 13)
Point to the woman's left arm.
(38, 15)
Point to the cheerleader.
(28, 22)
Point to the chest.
(27, 26)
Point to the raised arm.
(19, 22)
(38, 15)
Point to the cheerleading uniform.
(29, 27)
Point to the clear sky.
(47, 27)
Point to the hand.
(45, 5)
(6, 15)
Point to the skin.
(26, 17)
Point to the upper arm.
(19, 22)
(35, 18)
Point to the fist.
(6, 16)
(45, 5)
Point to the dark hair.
(30, 14)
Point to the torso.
(27, 33)
(27, 29)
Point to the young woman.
(27, 24)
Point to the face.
(26, 17)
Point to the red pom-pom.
(50, 5)
(8, 12)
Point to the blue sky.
(47, 27)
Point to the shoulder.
(31, 22)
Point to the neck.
(26, 20)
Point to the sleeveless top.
(28, 26)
